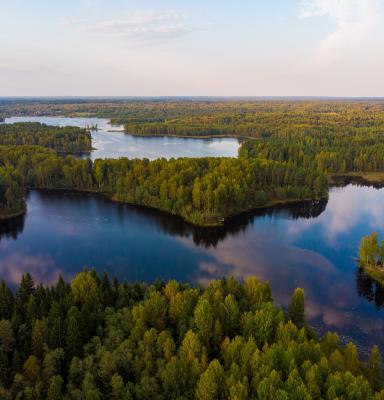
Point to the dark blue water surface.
(307, 245)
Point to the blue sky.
(228, 48)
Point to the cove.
(111, 142)
(308, 245)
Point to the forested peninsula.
(13, 180)
(94, 338)
(203, 191)
(67, 139)
(293, 150)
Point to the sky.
(192, 48)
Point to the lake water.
(311, 246)
(111, 142)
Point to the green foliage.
(371, 256)
(170, 341)
(290, 150)
(84, 288)
(297, 308)
(370, 253)
(66, 139)
(201, 190)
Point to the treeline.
(329, 153)
(97, 339)
(203, 191)
(63, 139)
(12, 202)
(196, 116)
(371, 252)
(255, 118)
(371, 256)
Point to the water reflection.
(175, 226)
(369, 288)
(111, 142)
(11, 228)
(311, 245)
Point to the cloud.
(150, 27)
(42, 268)
(356, 22)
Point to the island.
(371, 256)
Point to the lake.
(111, 141)
(308, 245)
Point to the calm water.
(111, 142)
(312, 246)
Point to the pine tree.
(374, 369)
(73, 337)
(6, 301)
(297, 308)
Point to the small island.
(371, 256)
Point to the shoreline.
(376, 274)
(220, 223)
(17, 214)
(370, 179)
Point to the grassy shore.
(363, 178)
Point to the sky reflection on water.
(111, 142)
(302, 245)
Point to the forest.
(94, 338)
(245, 117)
(66, 139)
(292, 148)
(371, 256)
(203, 191)
(12, 184)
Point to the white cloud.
(145, 26)
(356, 24)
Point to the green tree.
(74, 335)
(374, 369)
(369, 251)
(204, 320)
(297, 308)
(55, 388)
(84, 288)
(7, 339)
(211, 385)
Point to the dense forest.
(291, 150)
(203, 191)
(12, 183)
(99, 339)
(329, 153)
(66, 139)
(336, 136)
(371, 256)
(218, 116)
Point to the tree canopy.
(94, 338)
